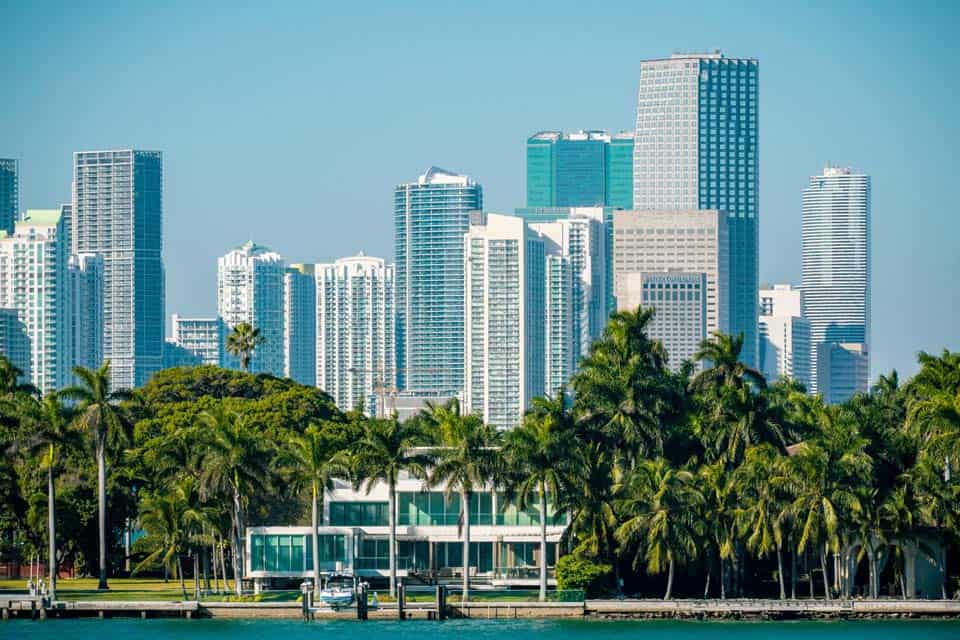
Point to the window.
(360, 514)
(280, 553)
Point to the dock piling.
(401, 601)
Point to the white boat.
(338, 590)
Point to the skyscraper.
(696, 147)
(356, 349)
(117, 213)
(86, 275)
(9, 194)
(14, 342)
(203, 338)
(35, 281)
(505, 325)
(679, 301)
(580, 169)
(250, 289)
(430, 216)
(784, 335)
(300, 324)
(836, 271)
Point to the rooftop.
(436, 175)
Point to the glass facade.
(9, 193)
(360, 514)
(294, 553)
(580, 169)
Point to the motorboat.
(338, 590)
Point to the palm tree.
(539, 461)
(590, 500)
(726, 370)
(719, 511)
(235, 464)
(242, 342)
(466, 460)
(385, 450)
(100, 414)
(663, 523)
(315, 460)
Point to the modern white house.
(354, 538)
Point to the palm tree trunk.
(823, 569)
(223, 566)
(706, 587)
(465, 510)
(783, 590)
(102, 509)
(196, 575)
(235, 555)
(872, 570)
(392, 542)
(723, 579)
(52, 529)
(183, 586)
(206, 568)
(793, 574)
(669, 581)
(543, 543)
(315, 540)
(212, 553)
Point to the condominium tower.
(250, 290)
(784, 335)
(9, 193)
(430, 217)
(86, 277)
(836, 276)
(356, 348)
(117, 213)
(300, 324)
(203, 338)
(34, 280)
(696, 147)
(580, 169)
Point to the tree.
(539, 456)
(726, 370)
(466, 459)
(242, 342)
(662, 507)
(385, 449)
(719, 516)
(100, 414)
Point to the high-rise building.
(86, 275)
(430, 216)
(202, 337)
(34, 280)
(14, 342)
(696, 147)
(117, 213)
(690, 242)
(679, 301)
(784, 335)
(505, 326)
(300, 324)
(250, 290)
(9, 194)
(561, 346)
(836, 271)
(843, 370)
(176, 356)
(580, 169)
(356, 349)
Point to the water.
(169, 629)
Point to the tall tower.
(430, 217)
(118, 213)
(696, 147)
(9, 193)
(250, 289)
(836, 279)
(580, 169)
(300, 324)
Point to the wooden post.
(441, 602)
(33, 609)
(362, 607)
(401, 597)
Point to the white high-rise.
(250, 289)
(784, 335)
(203, 338)
(836, 275)
(86, 275)
(35, 281)
(300, 324)
(356, 344)
(504, 342)
(679, 301)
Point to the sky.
(290, 123)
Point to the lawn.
(135, 589)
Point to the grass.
(138, 589)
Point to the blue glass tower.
(581, 169)
(9, 194)
(696, 147)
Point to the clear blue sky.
(291, 125)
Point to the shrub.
(577, 572)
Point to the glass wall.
(525, 554)
(509, 515)
(360, 514)
(294, 553)
(449, 555)
(434, 509)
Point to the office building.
(679, 301)
(580, 169)
(696, 147)
(356, 345)
(176, 356)
(34, 280)
(300, 324)
(505, 325)
(843, 370)
(250, 290)
(86, 276)
(117, 213)
(784, 335)
(204, 338)
(9, 194)
(431, 215)
(836, 271)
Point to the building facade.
(204, 338)
(679, 301)
(843, 370)
(117, 213)
(430, 217)
(696, 147)
(86, 276)
(784, 335)
(300, 324)
(14, 342)
(250, 289)
(356, 344)
(9, 193)
(836, 269)
(504, 290)
(580, 169)
(34, 280)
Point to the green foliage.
(575, 572)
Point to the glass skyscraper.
(431, 217)
(580, 169)
(836, 278)
(117, 213)
(696, 147)
(9, 194)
